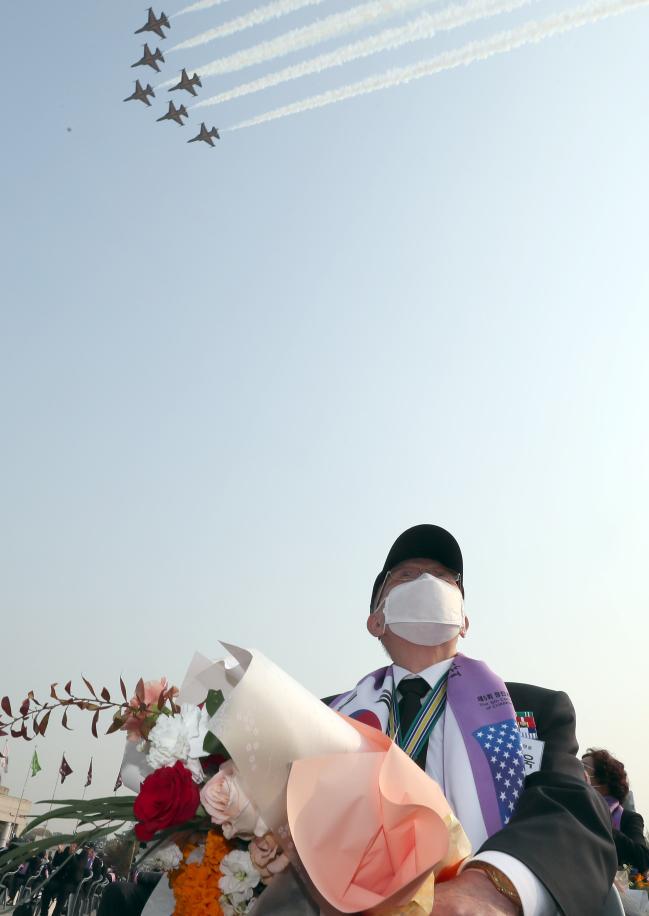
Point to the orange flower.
(196, 884)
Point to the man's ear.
(465, 627)
(376, 624)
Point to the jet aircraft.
(175, 114)
(141, 95)
(206, 135)
(155, 25)
(188, 82)
(150, 60)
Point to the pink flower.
(229, 807)
(267, 857)
(152, 691)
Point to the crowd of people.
(53, 876)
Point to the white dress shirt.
(447, 762)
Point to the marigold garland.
(196, 884)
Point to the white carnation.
(239, 875)
(168, 742)
(179, 737)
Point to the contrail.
(248, 20)
(195, 7)
(321, 30)
(424, 26)
(500, 43)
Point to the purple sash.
(616, 810)
(484, 712)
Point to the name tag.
(532, 754)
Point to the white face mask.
(426, 611)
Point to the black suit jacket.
(561, 829)
(630, 842)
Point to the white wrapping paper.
(266, 722)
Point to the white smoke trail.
(531, 32)
(424, 26)
(255, 17)
(321, 30)
(200, 5)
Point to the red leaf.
(53, 691)
(3, 733)
(24, 707)
(44, 722)
(6, 705)
(64, 721)
(122, 687)
(23, 732)
(95, 719)
(89, 686)
(15, 733)
(68, 688)
(105, 694)
(161, 699)
(36, 726)
(139, 691)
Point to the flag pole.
(83, 797)
(14, 826)
(83, 794)
(58, 776)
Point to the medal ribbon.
(424, 723)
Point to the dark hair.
(610, 772)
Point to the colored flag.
(89, 776)
(118, 781)
(4, 758)
(65, 769)
(35, 764)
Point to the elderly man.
(504, 754)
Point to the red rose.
(168, 797)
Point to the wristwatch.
(499, 880)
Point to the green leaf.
(212, 745)
(111, 808)
(214, 700)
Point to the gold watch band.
(499, 880)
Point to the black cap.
(429, 541)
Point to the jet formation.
(188, 83)
(155, 24)
(207, 136)
(141, 95)
(153, 59)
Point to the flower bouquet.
(638, 881)
(260, 787)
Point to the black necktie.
(412, 690)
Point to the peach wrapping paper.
(370, 826)
(352, 810)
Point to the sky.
(230, 377)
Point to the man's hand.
(471, 894)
